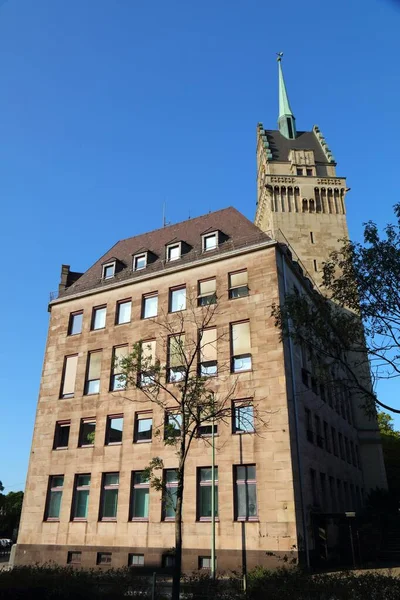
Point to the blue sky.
(110, 108)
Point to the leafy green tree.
(10, 513)
(391, 453)
(353, 326)
(188, 397)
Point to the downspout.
(296, 422)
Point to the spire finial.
(286, 120)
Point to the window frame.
(144, 298)
(72, 316)
(70, 560)
(117, 311)
(84, 421)
(232, 288)
(175, 368)
(114, 375)
(77, 489)
(53, 489)
(87, 380)
(206, 483)
(205, 568)
(113, 264)
(172, 290)
(130, 560)
(64, 372)
(202, 299)
(138, 486)
(136, 258)
(99, 560)
(149, 415)
(58, 427)
(168, 485)
(205, 236)
(108, 428)
(236, 405)
(170, 415)
(213, 364)
(170, 247)
(104, 489)
(234, 357)
(93, 320)
(244, 482)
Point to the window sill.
(140, 519)
(114, 444)
(108, 520)
(142, 441)
(206, 520)
(61, 448)
(98, 329)
(73, 334)
(168, 520)
(239, 372)
(67, 397)
(78, 520)
(124, 323)
(51, 520)
(248, 520)
(243, 432)
(86, 446)
(92, 394)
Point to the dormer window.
(109, 270)
(173, 251)
(140, 261)
(210, 241)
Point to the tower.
(299, 195)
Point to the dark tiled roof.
(305, 140)
(239, 232)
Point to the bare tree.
(189, 388)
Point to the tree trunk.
(176, 580)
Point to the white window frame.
(136, 258)
(170, 247)
(209, 235)
(110, 264)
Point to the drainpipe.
(296, 422)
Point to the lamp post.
(213, 497)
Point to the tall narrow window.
(143, 427)
(177, 299)
(114, 429)
(117, 378)
(326, 436)
(81, 498)
(176, 357)
(54, 497)
(61, 435)
(347, 447)
(169, 494)
(334, 441)
(92, 385)
(208, 352)
(75, 323)
(353, 454)
(204, 493)
(87, 432)
(109, 501)
(314, 489)
(243, 416)
(332, 493)
(315, 265)
(124, 309)
(245, 493)
(140, 496)
(149, 306)
(240, 347)
(320, 440)
(311, 237)
(341, 446)
(99, 317)
(238, 284)
(148, 359)
(69, 376)
(207, 292)
(309, 426)
(173, 425)
(322, 482)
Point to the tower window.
(290, 128)
(315, 265)
(299, 171)
(311, 237)
(309, 172)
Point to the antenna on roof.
(164, 219)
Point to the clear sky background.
(110, 108)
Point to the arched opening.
(305, 205)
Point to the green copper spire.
(286, 120)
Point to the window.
(103, 558)
(173, 425)
(208, 352)
(240, 347)
(149, 306)
(238, 284)
(319, 438)
(315, 265)
(117, 378)
(140, 261)
(169, 494)
(322, 482)
(341, 447)
(210, 241)
(177, 299)
(109, 501)
(99, 317)
(75, 323)
(92, 385)
(69, 376)
(173, 252)
(339, 493)
(309, 426)
(309, 172)
(148, 358)
(74, 558)
(140, 496)
(299, 171)
(334, 441)
(124, 308)
(326, 436)
(207, 429)
(114, 429)
(245, 493)
(143, 427)
(207, 292)
(81, 498)
(61, 435)
(136, 560)
(314, 490)
(108, 270)
(205, 562)
(176, 358)
(168, 561)
(311, 237)
(353, 454)
(243, 416)
(347, 447)
(87, 432)
(54, 496)
(204, 493)
(332, 493)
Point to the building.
(84, 503)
